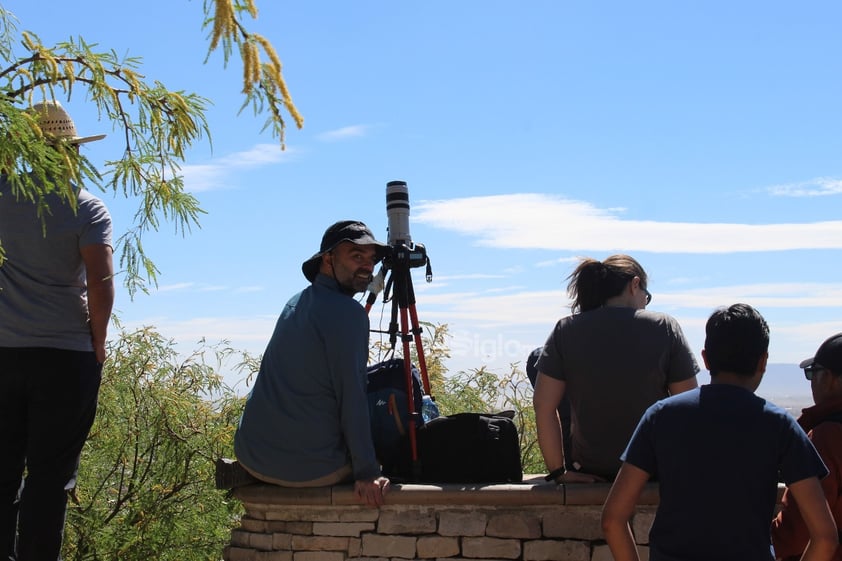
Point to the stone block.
(301, 528)
(240, 538)
(260, 542)
(407, 522)
(359, 515)
(602, 552)
(319, 543)
(351, 529)
(550, 550)
(273, 556)
(282, 541)
(318, 556)
(252, 525)
(233, 553)
(355, 547)
(490, 548)
(462, 523)
(376, 545)
(513, 525)
(641, 524)
(430, 547)
(581, 523)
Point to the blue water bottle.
(429, 409)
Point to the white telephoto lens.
(397, 210)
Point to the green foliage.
(146, 487)
(157, 125)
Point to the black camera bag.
(464, 448)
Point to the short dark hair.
(736, 338)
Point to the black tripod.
(398, 264)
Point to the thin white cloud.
(175, 286)
(819, 187)
(353, 131)
(469, 276)
(554, 262)
(521, 309)
(204, 287)
(249, 289)
(216, 174)
(540, 221)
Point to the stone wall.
(529, 521)
(532, 521)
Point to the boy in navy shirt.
(717, 453)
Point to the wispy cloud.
(519, 307)
(353, 131)
(205, 287)
(554, 262)
(540, 221)
(819, 187)
(216, 173)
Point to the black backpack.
(388, 408)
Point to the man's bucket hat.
(343, 231)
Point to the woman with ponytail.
(612, 358)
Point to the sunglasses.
(812, 370)
(648, 296)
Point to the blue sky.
(703, 138)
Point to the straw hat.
(56, 122)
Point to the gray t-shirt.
(615, 362)
(43, 289)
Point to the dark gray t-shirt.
(615, 362)
(43, 289)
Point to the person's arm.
(618, 510)
(99, 271)
(545, 399)
(789, 534)
(682, 386)
(824, 538)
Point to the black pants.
(48, 400)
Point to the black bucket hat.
(352, 231)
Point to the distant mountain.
(785, 385)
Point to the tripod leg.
(410, 390)
(416, 331)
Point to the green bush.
(146, 483)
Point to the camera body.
(408, 256)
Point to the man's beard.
(355, 284)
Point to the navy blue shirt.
(718, 453)
(307, 415)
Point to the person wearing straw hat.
(305, 422)
(56, 295)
